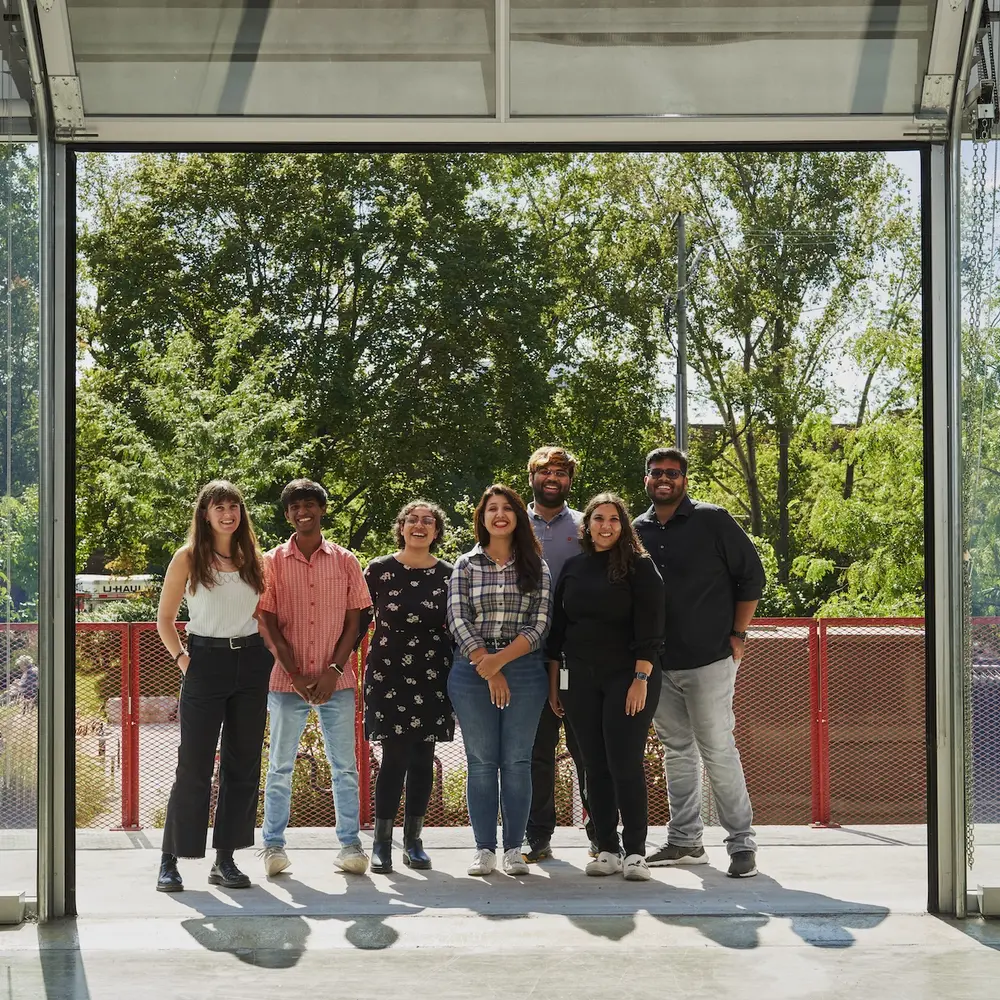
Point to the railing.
(830, 725)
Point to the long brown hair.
(626, 550)
(527, 552)
(246, 553)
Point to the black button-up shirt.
(708, 564)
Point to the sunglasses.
(669, 473)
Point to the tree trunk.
(783, 548)
(862, 407)
(753, 486)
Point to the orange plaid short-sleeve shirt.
(311, 598)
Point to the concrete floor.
(833, 913)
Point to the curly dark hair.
(527, 551)
(440, 522)
(626, 550)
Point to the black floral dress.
(406, 676)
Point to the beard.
(556, 499)
(677, 496)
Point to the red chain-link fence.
(830, 726)
(985, 720)
(18, 726)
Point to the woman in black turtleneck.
(604, 671)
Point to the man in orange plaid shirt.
(310, 614)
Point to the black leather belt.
(236, 642)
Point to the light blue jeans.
(695, 714)
(289, 714)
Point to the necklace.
(222, 555)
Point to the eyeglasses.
(428, 520)
(552, 473)
(669, 473)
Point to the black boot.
(225, 873)
(382, 847)
(413, 848)
(169, 879)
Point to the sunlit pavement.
(832, 911)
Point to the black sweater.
(602, 624)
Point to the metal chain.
(978, 277)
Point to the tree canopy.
(409, 324)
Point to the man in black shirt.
(713, 579)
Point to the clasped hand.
(488, 665)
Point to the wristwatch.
(742, 636)
(641, 675)
(336, 667)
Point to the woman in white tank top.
(226, 668)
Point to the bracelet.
(183, 652)
(742, 636)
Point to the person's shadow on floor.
(818, 920)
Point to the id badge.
(563, 679)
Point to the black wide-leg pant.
(613, 745)
(224, 690)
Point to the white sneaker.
(275, 860)
(605, 863)
(483, 863)
(514, 863)
(352, 859)
(636, 869)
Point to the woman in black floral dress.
(406, 678)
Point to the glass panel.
(285, 57)
(13, 58)
(19, 341)
(981, 455)
(710, 57)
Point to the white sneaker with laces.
(605, 863)
(514, 863)
(484, 862)
(352, 859)
(636, 869)
(275, 860)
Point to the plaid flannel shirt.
(487, 608)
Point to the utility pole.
(680, 381)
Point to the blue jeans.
(289, 714)
(498, 744)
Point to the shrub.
(455, 810)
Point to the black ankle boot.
(382, 847)
(169, 879)
(225, 873)
(413, 848)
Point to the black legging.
(613, 745)
(406, 758)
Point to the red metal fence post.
(362, 748)
(816, 753)
(132, 823)
(823, 730)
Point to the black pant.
(406, 758)
(613, 745)
(542, 819)
(224, 689)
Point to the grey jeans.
(695, 714)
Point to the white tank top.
(223, 611)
